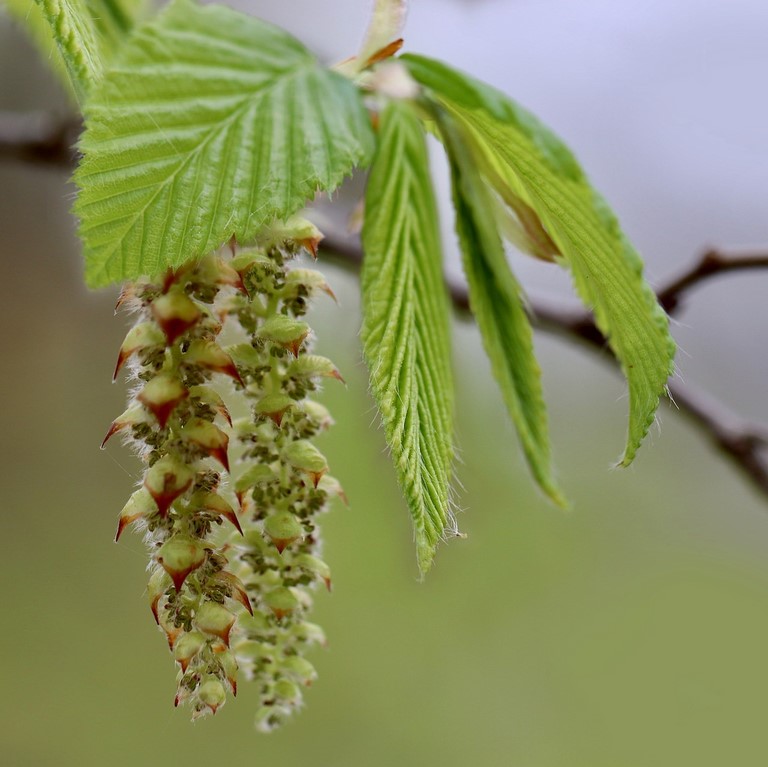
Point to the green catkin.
(268, 559)
(175, 423)
(283, 484)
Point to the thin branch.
(713, 263)
(38, 138)
(41, 138)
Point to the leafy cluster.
(208, 126)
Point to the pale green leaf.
(77, 41)
(211, 125)
(497, 303)
(405, 330)
(525, 162)
(385, 27)
(106, 22)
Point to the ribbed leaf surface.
(74, 33)
(211, 125)
(496, 300)
(105, 23)
(524, 161)
(405, 331)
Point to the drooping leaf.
(110, 20)
(525, 163)
(211, 125)
(406, 324)
(496, 300)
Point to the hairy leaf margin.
(405, 332)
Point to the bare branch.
(38, 137)
(712, 264)
(42, 138)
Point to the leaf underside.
(406, 339)
(523, 161)
(211, 125)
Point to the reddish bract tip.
(295, 345)
(171, 634)
(113, 429)
(240, 596)
(384, 53)
(220, 454)
(277, 416)
(179, 576)
(121, 358)
(230, 516)
(282, 543)
(153, 606)
(311, 243)
(335, 374)
(316, 476)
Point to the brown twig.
(713, 263)
(39, 138)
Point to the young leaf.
(406, 323)
(111, 20)
(77, 41)
(211, 125)
(497, 303)
(382, 38)
(527, 165)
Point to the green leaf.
(104, 22)
(497, 303)
(212, 125)
(405, 330)
(77, 41)
(526, 164)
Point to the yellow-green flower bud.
(175, 313)
(161, 395)
(315, 566)
(167, 480)
(313, 366)
(287, 691)
(139, 505)
(187, 646)
(274, 406)
(282, 601)
(179, 556)
(303, 455)
(145, 335)
(213, 618)
(283, 528)
(299, 669)
(208, 355)
(209, 438)
(285, 332)
(131, 417)
(307, 281)
(212, 693)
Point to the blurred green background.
(632, 632)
